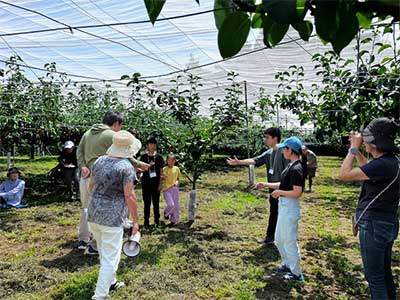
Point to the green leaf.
(362, 52)
(326, 22)
(386, 59)
(277, 32)
(233, 33)
(301, 8)
(304, 29)
(283, 12)
(382, 70)
(388, 29)
(348, 27)
(366, 40)
(222, 9)
(383, 47)
(267, 21)
(154, 8)
(257, 21)
(364, 19)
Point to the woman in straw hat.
(112, 197)
(376, 213)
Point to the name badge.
(271, 171)
(152, 174)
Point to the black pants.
(71, 179)
(273, 216)
(309, 182)
(151, 195)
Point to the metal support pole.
(251, 167)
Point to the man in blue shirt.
(12, 190)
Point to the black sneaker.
(116, 285)
(293, 277)
(282, 269)
(82, 245)
(90, 250)
(269, 240)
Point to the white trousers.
(83, 232)
(286, 233)
(109, 245)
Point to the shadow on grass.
(72, 261)
(345, 205)
(328, 241)
(262, 255)
(41, 190)
(277, 288)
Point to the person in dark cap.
(151, 181)
(12, 190)
(376, 212)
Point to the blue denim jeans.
(376, 242)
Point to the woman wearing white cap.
(112, 196)
(376, 213)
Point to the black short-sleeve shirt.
(158, 165)
(292, 175)
(381, 172)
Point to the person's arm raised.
(240, 162)
(347, 172)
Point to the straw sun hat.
(124, 145)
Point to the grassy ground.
(218, 258)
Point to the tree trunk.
(8, 160)
(13, 154)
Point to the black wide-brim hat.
(381, 132)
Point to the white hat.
(124, 145)
(69, 145)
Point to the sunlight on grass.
(79, 287)
(237, 202)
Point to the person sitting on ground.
(68, 165)
(112, 196)
(312, 165)
(12, 190)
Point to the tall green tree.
(351, 91)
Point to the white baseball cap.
(69, 145)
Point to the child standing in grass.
(171, 174)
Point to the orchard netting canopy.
(176, 44)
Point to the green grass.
(217, 258)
